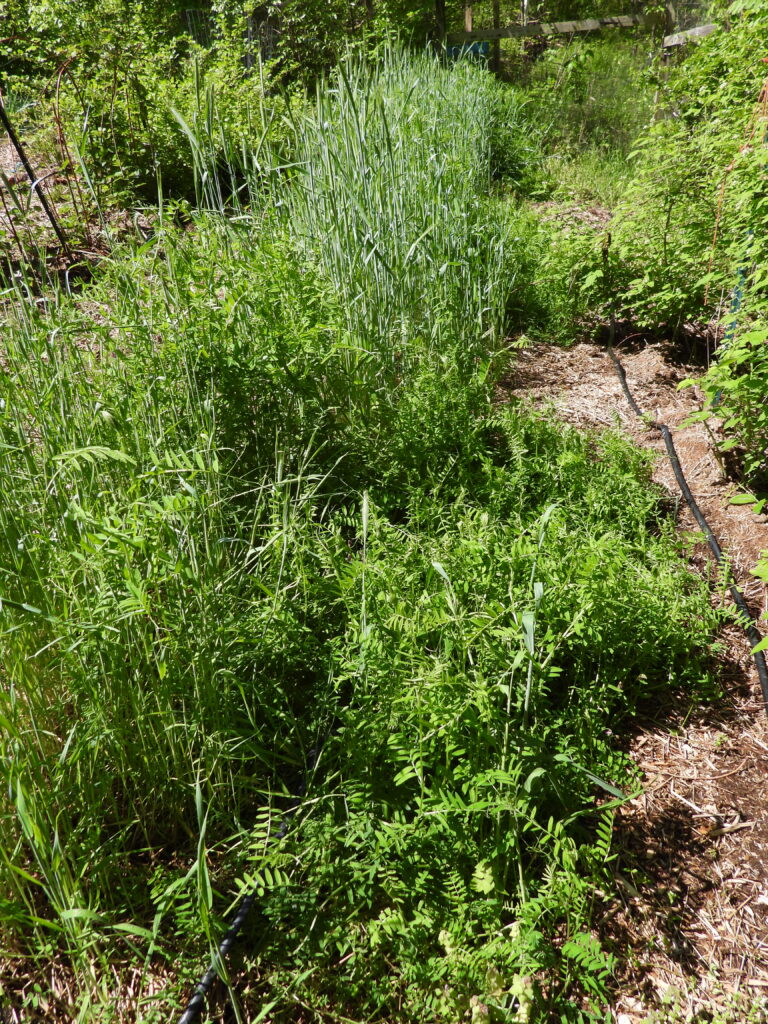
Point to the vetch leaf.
(482, 878)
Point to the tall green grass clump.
(392, 198)
(263, 524)
(386, 199)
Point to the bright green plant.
(689, 239)
(686, 243)
(692, 177)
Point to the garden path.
(691, 919)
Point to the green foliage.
(735, 387)
(314, 34)
(687, 240)
(392, 198)
(685, 184)
(113, 73)
(586, 102)
(488, 651)
(258, 502)
(691, 230)
(40, 38)
(592, 92)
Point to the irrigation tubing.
(196, 1004)
(746, 618)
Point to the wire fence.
(260, 38)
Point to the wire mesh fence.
(260, 37)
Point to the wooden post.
(468, 19)
(671, 19)
(496, 62)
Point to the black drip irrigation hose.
(196, 1004)
(746, 619)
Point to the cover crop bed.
(258, 501)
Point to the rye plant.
(389, 192)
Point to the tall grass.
(256, 496)
(394, 168)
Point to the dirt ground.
(26, 233)
(691, 923)
(22, 216)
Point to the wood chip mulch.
(689, 925)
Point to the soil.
(30, 226)
(690, 924)
(570, 215)
(26, 233)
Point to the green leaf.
(441, 571)
(535, 774)
(755, 337)
(133, 929)
(591, 279)
(482, 878)
(742, 499)
(79, 914)
(529, 629)
(607, 786)
(95, 453)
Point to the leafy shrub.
(735, 387)
(114, 74)
(664, 231)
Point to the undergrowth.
(683, 248)
(588, 99)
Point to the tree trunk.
(440, 21)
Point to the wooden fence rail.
(664, 21)
(690, 35)
(541, 28)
